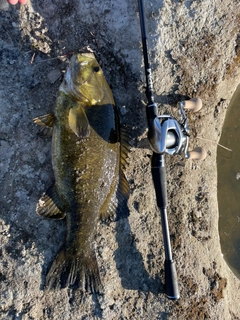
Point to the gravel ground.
(194, 50)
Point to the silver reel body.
(169, 135)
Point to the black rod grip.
(171, 283)
(159, 179)
(160, 184)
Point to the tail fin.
(76, 269)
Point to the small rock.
(54, 75)
(4, 5)
(15, 24)
(123, 110)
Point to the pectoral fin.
(78, 122)
(49, 205)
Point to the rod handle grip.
(171, 282)
(159, 179)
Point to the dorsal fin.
(46, 122)
(116, 207)
(124, 145)
(49, 205)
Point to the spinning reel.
(168, 135)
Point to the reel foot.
(198, 153)
(194, 104)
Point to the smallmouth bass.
(87, 163)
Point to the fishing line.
(218, 144)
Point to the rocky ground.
(194, 50)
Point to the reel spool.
(168, 135)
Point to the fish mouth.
(71, 87)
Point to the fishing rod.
(166, 135)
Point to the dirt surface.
(194, 49)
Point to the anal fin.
(49, 205)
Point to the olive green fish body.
(86, 161)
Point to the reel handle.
(194, 104)
(198, 153)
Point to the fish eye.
(96, 69)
